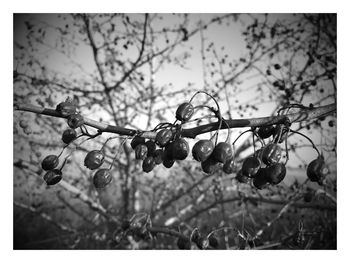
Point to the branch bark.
(302, 115)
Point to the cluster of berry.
(67, 109)
(93, 160)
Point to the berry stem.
(286, 147)
(313, 145)
(119, 151)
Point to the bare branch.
(302, 115)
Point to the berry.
(94, 159)
(102, 178)
(275, 173)
(151, 147)
(168, 163)
(136, 141)
(75, 120)
(271, 154)
(158, 156)
(229, 166)
(163, 137)
(69, 135)
(50, 162)
(141, 151)
(260, 181)
(53, 177)
(251, 166)
(213, 241)
(66, 108)
(184, 112)
(266, 131)
(222, 152)
(202, 150)
(209, 165)
(183, 243)
(168, 151)
(317, 170)
(148, 164)
(241, 178)
(180, 149)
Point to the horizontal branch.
(302, 115)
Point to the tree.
(120, 86)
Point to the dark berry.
(251, 166)
(168, 151)
(136, 141)
(151, 147)
(222, 152)
(94, 159)
(168, 163)
(141, 151)
(184, 112)
(163, 137)
(148, 164)
(209, 165)
(271, 154)
(66, 108)
(69, 135)
(275, 173)
(180, 149)
(266, 131)
(241, 178)
(50, 162)
(317, 170)
(53, 177)
(75, 120)
(229, 166)
(158, 156)
(202, 150)
(102, 178)
(260, 181)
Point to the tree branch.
(302, 115)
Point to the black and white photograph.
(175, 131)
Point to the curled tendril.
(312, 143)
(217, 113)
(290, 106)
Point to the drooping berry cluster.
(264, 167)
(167, 147)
